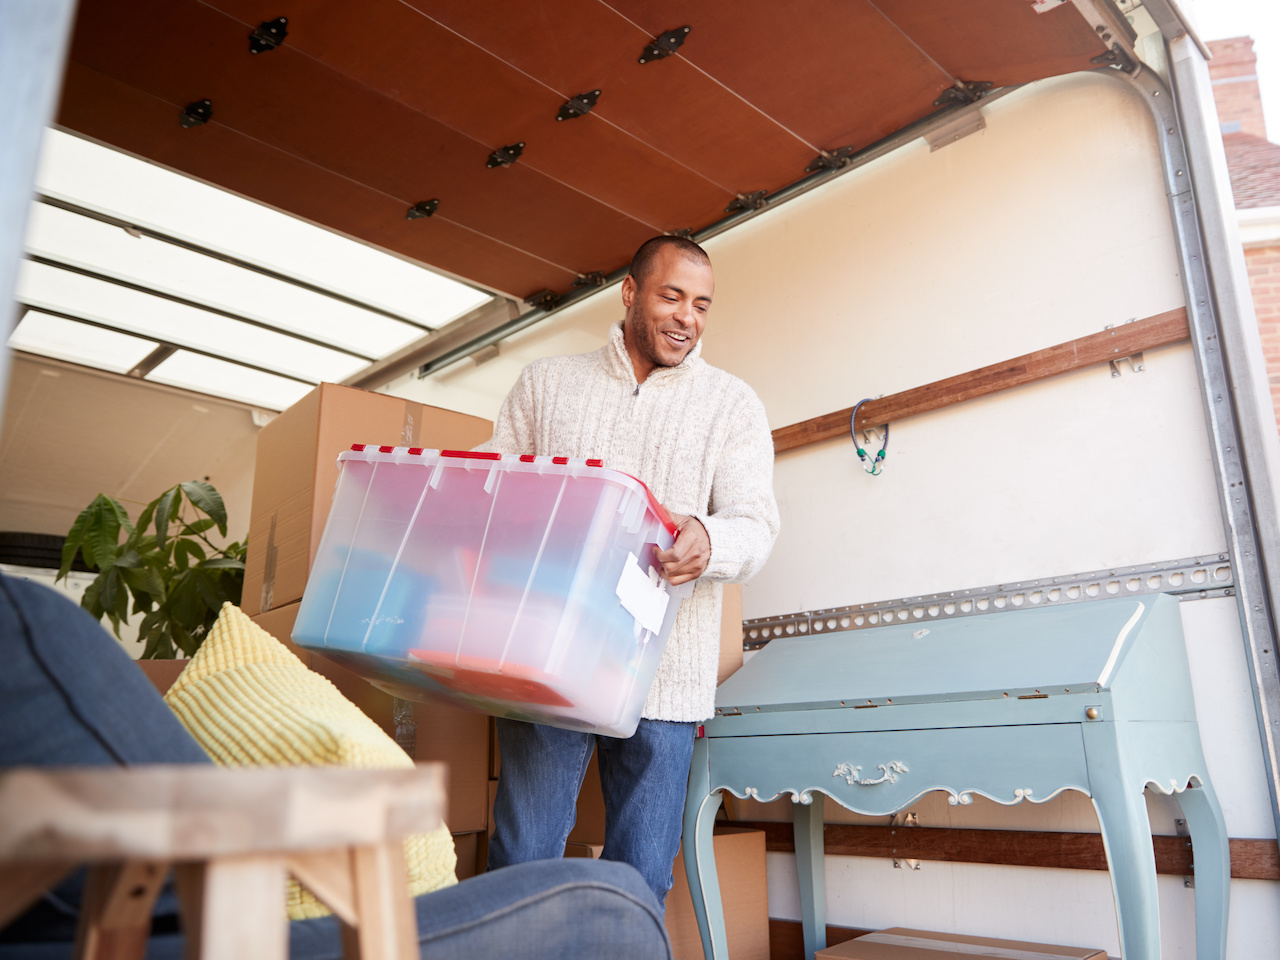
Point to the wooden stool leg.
(386, 925)
(233, 907)
(115, 919)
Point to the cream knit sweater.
(698, 437)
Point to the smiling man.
(647, 405)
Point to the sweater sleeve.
(742, 521)
(515, 429)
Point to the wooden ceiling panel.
(836, 72)
(121, 116)
(1004, 42)
(299, 106)
(481, 96)
(585, 45)
(370, 107)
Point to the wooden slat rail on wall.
(1250, 859)
(1122, 341)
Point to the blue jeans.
(644, 779)
(70, 696)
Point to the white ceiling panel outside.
(134, 269)
(223, 379)
(79, 343)
(145, 315)
(70, 238)
(112, 182)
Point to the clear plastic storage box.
(523, 586)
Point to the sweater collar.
(619, 361)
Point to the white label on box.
(643, 597)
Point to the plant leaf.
(186, 550)
(102, 534)
(147, 587)
(185, 605)
(206, 498)
(110, 587)
(75, 536)
(198, 526)
(166, 510)
(144, 518)
(129, 559)
(221, 563)
(90, 601)
(185, 641)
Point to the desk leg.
(810, 857)
(1212, 852)
(1126, 835)
(699, 854)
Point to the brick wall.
(1264, 278)
(1234, 72)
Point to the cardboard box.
(295, 473)
(466, 845)
(740, 868)
(730, 632)
(162, 673)
(451, 735)
(900, 943)
(279, 623)
(589, 850)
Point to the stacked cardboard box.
(294, 478)
(900, 943)
(296, 470)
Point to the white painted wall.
(1048, 225)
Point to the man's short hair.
(642, 262)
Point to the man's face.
(666, 314)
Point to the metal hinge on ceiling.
(578, 106)
(423, 209)
(1117, 57)
(963, 92)
(665, 45)
(543, 299)
(196, 114)
(505, 156)
(746, 201)
(268, 35)
(831, 159)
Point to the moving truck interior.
(1007, 224)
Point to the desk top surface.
(1071, 648)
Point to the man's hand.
(689, 555)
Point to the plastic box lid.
(523, 586)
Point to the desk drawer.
(879, 773)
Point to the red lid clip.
(471, 454)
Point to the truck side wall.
(1048, 225)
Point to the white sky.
(1260, 19)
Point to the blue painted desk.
(1015, 706)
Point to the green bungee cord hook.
(874, 469)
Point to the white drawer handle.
(888, 773)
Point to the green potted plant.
(177, 577)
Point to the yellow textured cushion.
(250, 702)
